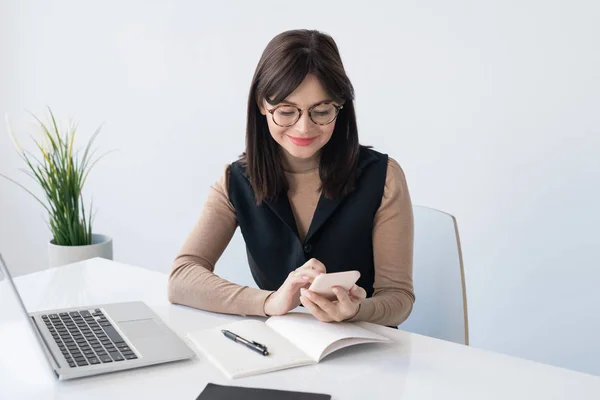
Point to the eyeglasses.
(321, 114)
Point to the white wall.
(492, 108)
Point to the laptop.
(81, 341)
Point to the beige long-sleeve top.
(193, 282)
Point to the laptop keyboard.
(86, 337)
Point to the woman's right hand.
(287, 297)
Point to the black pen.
(259, 348)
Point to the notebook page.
(318, 339)
(236, 360)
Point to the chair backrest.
(440, 308)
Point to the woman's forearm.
(193, 285)
(389, 308)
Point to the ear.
(261, 107)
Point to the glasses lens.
(285, 115)
(323, 114)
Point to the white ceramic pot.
(60, 255)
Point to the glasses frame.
(300, 111)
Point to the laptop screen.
(24, 368)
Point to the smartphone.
(323, 283)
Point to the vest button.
(307, 248)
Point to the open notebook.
(293, 340)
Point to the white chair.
(440, 308)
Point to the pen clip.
(262, 346)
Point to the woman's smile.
(298, 141)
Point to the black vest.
(340, 234)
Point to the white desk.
(414, 367)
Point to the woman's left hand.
(345, 307)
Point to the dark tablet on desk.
(219, 392)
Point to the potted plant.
(62, 172)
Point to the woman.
(308, 199)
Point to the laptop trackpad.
(141, 328)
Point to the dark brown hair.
(284, 64)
